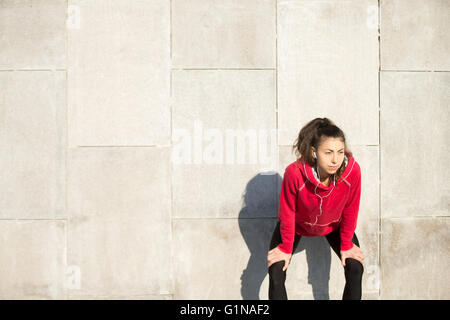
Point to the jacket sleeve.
(286, 210)
(350, 215)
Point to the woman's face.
(330, 155)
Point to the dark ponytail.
(311, 136)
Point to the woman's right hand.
(276, 255)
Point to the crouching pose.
(320, 196)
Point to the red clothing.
(309, 208)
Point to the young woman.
(320, 196)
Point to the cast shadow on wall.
(257, 220)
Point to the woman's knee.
(353, 268)
(276, 273)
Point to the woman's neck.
(324, 177)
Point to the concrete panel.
(33, 34)
(414, 141)
(32, 259)
(328, 66)
(221, 119)
(32, 144)
(415, 258)
(335, 295)
(119, 221)
(223, 34)
(130, 297)
(414, 34)
(315, 271)
(221, 258)
(119, 73)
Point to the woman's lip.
(333, 167)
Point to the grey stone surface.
(223, 34)
(231, 254)
(213, 110)
(119, 73)
(414, 144)
(334, 295)
(153, 202)
(415, 258)
(126, 297)
(414, 34)
(32, 144)
(119, 231)
(328, 66)
(32, 259)
(33, 34)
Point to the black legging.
(353, 268)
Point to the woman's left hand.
(355, 252)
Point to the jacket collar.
(310, 174)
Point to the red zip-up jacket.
(309, 208)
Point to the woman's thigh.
(276, 238)
(334, 239)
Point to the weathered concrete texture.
(333, 295)
(32, 144)
(33, 34)
(119, 73)
(328, 66)
(223, 34)
(218, 118)
(122, 120)
(32, 259)
(329, 283)
(414, 144)
(127, 297)
(414, 34)
(415, 256)
(221, 258)
(119, 221)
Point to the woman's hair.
(312, 135)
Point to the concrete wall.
(120, 175)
